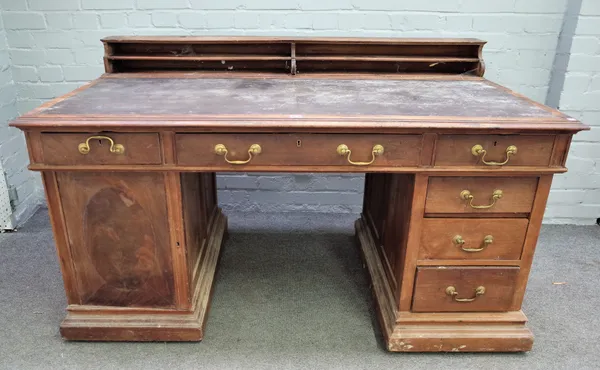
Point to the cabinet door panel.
(118, 235)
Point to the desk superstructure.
(458, 174)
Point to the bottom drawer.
(464, 289)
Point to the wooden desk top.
(300, 84)
(185, 101)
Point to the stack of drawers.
(474, 227)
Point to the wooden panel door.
(118, 231)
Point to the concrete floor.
(291, 293)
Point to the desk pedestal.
(410, 278)
(438, 332)
(139, 250)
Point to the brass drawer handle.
(343, 149)
(458, 240)
(451, 291)
(84, 148)
(478, 151)
(254, 149)
(466, 195)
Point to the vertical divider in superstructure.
(293, 62)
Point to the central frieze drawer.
(480, 194)
(473, 239)
(248, 150)
(464, 289)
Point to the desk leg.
(138, 252)
(389, 233)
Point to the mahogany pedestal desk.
(458, 170)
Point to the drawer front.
(480, 194)
(464, 289)
(491, 150)
(472, 239)
(297, 149)
(93, 149)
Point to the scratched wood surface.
(342, 97)
(118, 241)
(138, 234)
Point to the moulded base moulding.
(437, 331)
(464, 338)
(138, 324)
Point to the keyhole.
(299, 143)
(495, 143)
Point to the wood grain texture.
(34, 146)
(441, 318)
(312, 76)
(428, 149)
(384, 295)
(465, 338)
(443, 195)
(437, 238)
(283, 39)
(399, 224)
(410, 256)
(386, 210)
(560, 150)
(196, 219)
(431, 284)
(104, 324)
(199, 200)
(297, 149)
(117, 238)
(62, 149)
(167, 146)
(305, 55)
(346, 168)
(533, 150)
(177, 239)
(533, 232)
(61, 237)
(376, 212)
(305, 124)
(471, 262)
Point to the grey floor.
(291, 293)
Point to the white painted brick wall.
(13, 153)
(54, 47)
(575, 198)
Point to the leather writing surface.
(342, 97)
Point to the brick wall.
(575, 198)
(13, 154)
(54, 47)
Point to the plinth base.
(95, 323)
